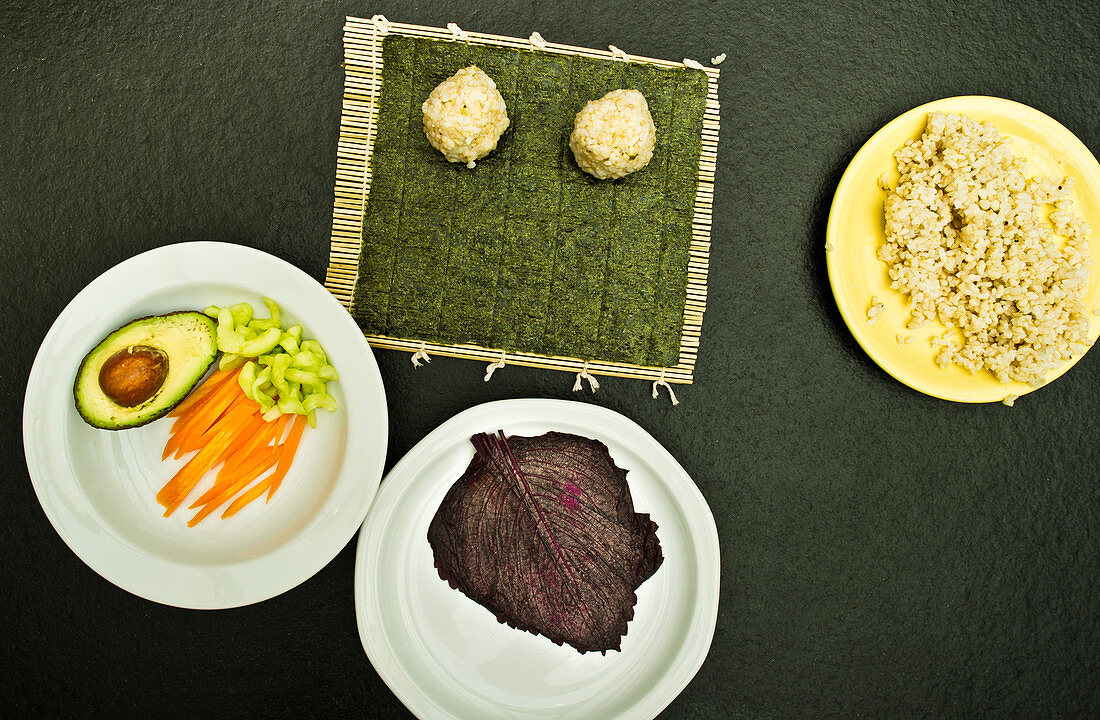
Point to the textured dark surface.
(884, 554)
(527, 252)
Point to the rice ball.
(465, 116)
(614, 136)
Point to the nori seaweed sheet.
(527, 252)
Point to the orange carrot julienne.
(238, 483)
(176, 489)
(205, 420)
(223, 427)
(254, 424)
(286, 455)
(253, 492)
(199, 394)
(204, 415)
(229, 474)
(258, 446)
(201, 515)
(285, 458)
(227, 485)
(221, 388)
(268, 447)
(192, 442)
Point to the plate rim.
(704, 536)
(998, 105)
(265, 582)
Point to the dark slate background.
(884, 554)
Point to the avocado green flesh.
(190, 341)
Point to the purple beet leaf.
(543, 533)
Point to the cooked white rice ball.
(614, 136)
(465, 116)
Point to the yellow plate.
(856, 229)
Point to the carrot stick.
(193, 442)
(176, 489)
(228, 476)
(174, 441)
(224, 427)
(253, 425)
(253, 492)
(258, 453)
(204, 415)
(261, 455)
(197, 396)
(201, 515)
(286, 454)
(256, 447)
(239, 483)
(219, 388)
(263, 458)
(235, 482)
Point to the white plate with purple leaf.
(446, 657)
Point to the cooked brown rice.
(971, 240)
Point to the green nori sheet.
(527, 252)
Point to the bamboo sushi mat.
(358, 129)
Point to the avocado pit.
(133, 374)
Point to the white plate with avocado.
(98, 487)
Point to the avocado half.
(141, 371)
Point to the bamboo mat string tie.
(493, 367)
(661, 381)
(458, 33)
(593, 385)
(536, 41)
(421, 356)
(617, 54)
(381, 23)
